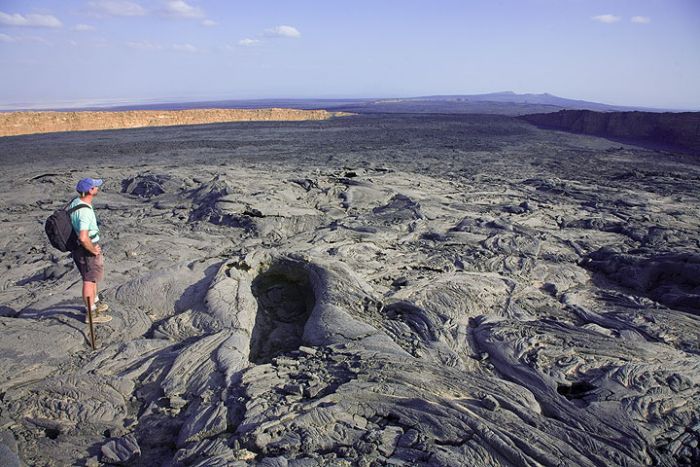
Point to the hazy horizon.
(638, 53)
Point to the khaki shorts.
(91, 267)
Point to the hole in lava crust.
(577, 390)
(285, 300)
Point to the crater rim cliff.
(33, 122)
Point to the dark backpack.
(60, 231)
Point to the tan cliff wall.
(680, 129)
(22, 123)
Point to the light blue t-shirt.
(84, 219)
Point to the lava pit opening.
(285, 300)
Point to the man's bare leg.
(89, 291)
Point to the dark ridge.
(675, 131)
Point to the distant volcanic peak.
(512, 97)
(500, 93)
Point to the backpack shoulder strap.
(75, 208)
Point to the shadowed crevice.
(285, 300)
(577, 390)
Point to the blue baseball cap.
(85, 184)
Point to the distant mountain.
(540, 99)
(501, 103)
(546, 101)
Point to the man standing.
(88, 256)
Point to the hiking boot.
(98, 319)
(100, 308)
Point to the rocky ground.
(371, 290)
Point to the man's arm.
(84, 238)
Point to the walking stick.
(92, 329)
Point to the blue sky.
(627, 52)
